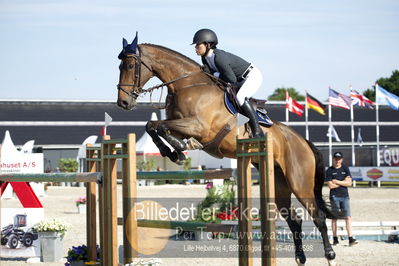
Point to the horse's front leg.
(165, 151)
(182, 127)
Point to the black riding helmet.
(205, 36)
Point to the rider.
(244, 77)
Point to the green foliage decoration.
(279, 94)
(69, 165)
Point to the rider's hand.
(234, 86)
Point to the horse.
(196, 112)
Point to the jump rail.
(52, 177)
(102, 174)
(104, 158)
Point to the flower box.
(51, 234)
(78, 263)
(51, 246)
(78, 255)
(81, 204)
(82, 208)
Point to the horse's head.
(134, 73)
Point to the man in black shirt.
(338, 179)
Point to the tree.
(187, 164)
(390, 84)
(68, 165)
(279, 94)
(148, 165)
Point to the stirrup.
(268, 120)
(258, 136)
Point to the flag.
(359, 138)
(338, 99)
(361, 100)
(107, 121)
(385, 97)
(331, 131)
(293, 106)
(314, 104)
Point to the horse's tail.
(320, 174)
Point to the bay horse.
(196, 112)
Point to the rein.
(170, 82)
(137, 75)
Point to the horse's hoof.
(181, 157)
(178, 157)
(178, 162)
(298, 261)
(300, 258)
(332, 263)
(330, 255)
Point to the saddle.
(232, 105)
(257, 104)
(213, 147)
(230, 99)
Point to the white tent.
(28, 146)
(82, 149)
(8, 147)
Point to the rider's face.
(200, 49)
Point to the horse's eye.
(130, 66)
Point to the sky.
(58, 49)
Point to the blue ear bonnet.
(128, 48)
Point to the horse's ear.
(134, 43)
(124, 43)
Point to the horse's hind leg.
(283, 201)
(319, 219)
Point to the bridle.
(137, 76)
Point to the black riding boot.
(249, 112)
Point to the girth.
(213, 147)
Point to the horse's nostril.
(122, 104)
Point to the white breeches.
(252, 83)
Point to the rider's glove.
(234, 86)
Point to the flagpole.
(286, 115)
(352, 134)
(330, 135)
(306, 116)
(377, 118)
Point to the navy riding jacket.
(230, 66)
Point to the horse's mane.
(172, 52)
(188, 60)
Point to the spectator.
(338, 179)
